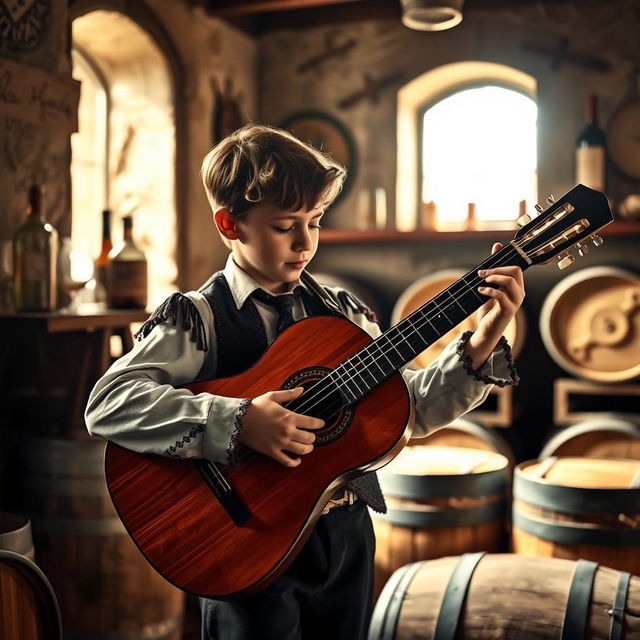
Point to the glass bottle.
(590, 150)
(127, 273)
(35, 257)
(101, 263)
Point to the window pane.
(479, 145)
(89, 158)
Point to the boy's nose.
(302, 242)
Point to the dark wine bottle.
(590, 150)
(35, 258)
(127, 269)
(101, 263)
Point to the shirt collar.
(242, 285)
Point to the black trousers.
(326, 593)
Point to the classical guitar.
(222, 531)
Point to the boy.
(268, 192)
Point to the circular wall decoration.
(329, 135)
(23, 24)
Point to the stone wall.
(34, 142)
(388, 51)
(212, 61)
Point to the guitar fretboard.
(364, 371)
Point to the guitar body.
(231, 531)
(177, 521)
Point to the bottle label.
(128, 284)
(590, 167)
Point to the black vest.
(241, 340)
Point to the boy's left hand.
(494, 316)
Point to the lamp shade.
(431, 15)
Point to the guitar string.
(413, 329)
(249, 455)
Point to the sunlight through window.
(479, 147)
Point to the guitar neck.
(364, 371)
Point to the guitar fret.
(456, 301)
(341, 384)
(367, 372)
(412, 335)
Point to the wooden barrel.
(15, 534)
(606, 436)
(579, 508)
(590, 325)
(470, 435)
(492, 597)
(105, 587)
(28, 606)
(440, 501)
(429, 286)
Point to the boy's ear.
(225, 223)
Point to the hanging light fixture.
(431, 15)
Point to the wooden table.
(50, 361)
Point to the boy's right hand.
(271, 429)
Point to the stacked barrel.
(442, 565)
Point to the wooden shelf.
(373, 236)
(56, 321)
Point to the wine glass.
(76, 270)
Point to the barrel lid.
(593, 437)
(468, 434)
(429, 286)
(590, 324)
(428, 460)
(586, 473)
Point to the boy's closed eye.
(291, 228)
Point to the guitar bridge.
(222, 490)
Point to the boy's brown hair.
(261, 164)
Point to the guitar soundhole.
(320, 399)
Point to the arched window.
(124, 154)
(466, 134)
(89, 150)
(479, 151)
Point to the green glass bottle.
(127, 273)
(35, 258)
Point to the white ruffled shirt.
(137, 404)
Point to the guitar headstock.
(575, 217)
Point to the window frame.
(451, 91)
(413, 98)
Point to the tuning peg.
(583, 249)
(523, 219)
(597, 240)
(550, 199)
(565, 260)
(539, 208)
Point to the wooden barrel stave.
(509, 596)
(582, 508)
(435, 513)
(28, 606)
(105, 587)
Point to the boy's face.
(275, 245)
